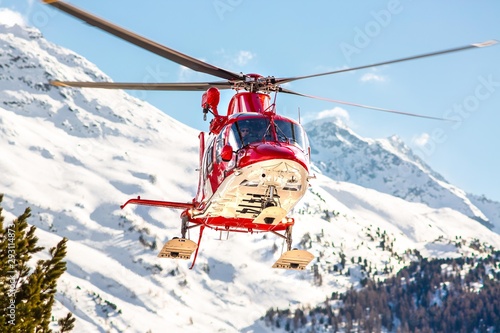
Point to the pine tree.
(27, 295)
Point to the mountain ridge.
(389, 166)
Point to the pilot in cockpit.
(245, 134)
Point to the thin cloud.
(243, 58)
(373, 77)
(10, 18)
(185, 74)
(336, 112)
(235, 60)
(421, 140)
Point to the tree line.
(27, 291)
(429, 295)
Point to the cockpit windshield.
(250, 130)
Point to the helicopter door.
(208, 168)
(219, 166)
(201, 175)
(213, 168)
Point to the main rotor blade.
(163, 51)
(362, 106)
(182, 86)
(425, 55)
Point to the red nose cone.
(274, 151)
(265, 151)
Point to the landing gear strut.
(184, 226)
(181, 248)
(293, 259)
(288, 235)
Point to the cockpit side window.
(287, 131)
(219, 144)
(234, 138)
(209, 159)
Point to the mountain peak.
(387, 165)
(14, 23)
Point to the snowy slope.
(74, 156)
(389, 166)
(490, 208)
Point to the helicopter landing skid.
(178, 248)
(294, 259)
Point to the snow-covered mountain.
(389, 166)
(74, 156)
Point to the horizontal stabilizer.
(158, 203)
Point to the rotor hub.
(256, 83)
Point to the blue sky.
(296, 38)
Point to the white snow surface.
(75, 155)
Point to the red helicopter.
(254, 163)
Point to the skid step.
(294, 259)
(178, 248)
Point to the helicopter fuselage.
(268, 167)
